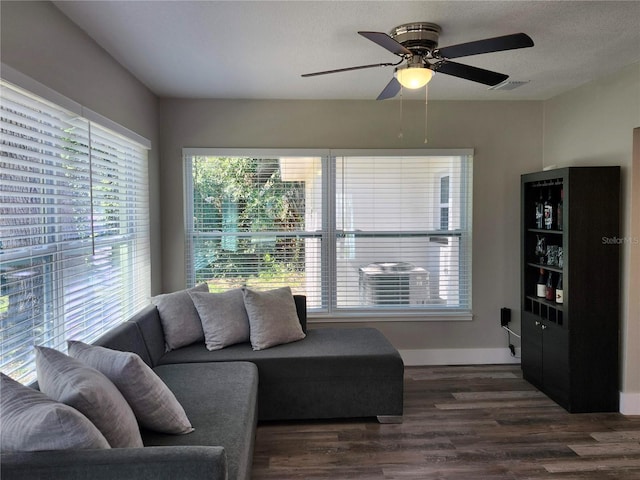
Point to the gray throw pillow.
(224, 318)
(273, 318)
(179, 318)
(154, 405)
(31, 422)
(69, 381)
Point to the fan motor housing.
(419, 37)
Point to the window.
(74, 241)
(255, 222)
(358, 233)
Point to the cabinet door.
(545, 357)
(555, 363)
(531, 360)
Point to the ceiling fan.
(417, 45)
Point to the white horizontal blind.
(255, 222)
(365, 234)
(403, 232)
(74, 233)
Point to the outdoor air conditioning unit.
(393, 283)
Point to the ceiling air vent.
(509, 85)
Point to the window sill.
(391, 316)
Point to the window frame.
(329, 312)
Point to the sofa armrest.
(147, 463)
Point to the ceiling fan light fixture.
(414, 77)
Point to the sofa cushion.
(153, 404)
(333, 373)
(31, 421)
(224, 317)
(69, 381)
(273, 318)
(221, 402)
(179, 317)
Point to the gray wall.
(39, 41)
(506, 137)
(589, 125)
(593, 125)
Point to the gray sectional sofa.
(332, 373)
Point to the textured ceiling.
(259, 49)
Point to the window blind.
(74, 231)
(403, 232)
(255, 222)
(356, 233)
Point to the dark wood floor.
(471, 423)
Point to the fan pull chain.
(426, 102)
(401, 134)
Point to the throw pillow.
(31, 422)
(69, 381)
(154, 405)
(179, 318)
(273, 318)
(224, 318)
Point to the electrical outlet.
(505, 316)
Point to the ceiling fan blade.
(391, 90)
(496, 44)
(348, 69)
(468, 72)
(385, 41)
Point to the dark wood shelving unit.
(570, 349)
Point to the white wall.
(593, 125)
(39, 41)
(506, 136)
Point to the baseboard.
(630, 403)
(458, 356)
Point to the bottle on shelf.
(559, 211)
(541, 286)
(540, 212)
(559, 291)
(548, 212)
(550, 292)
